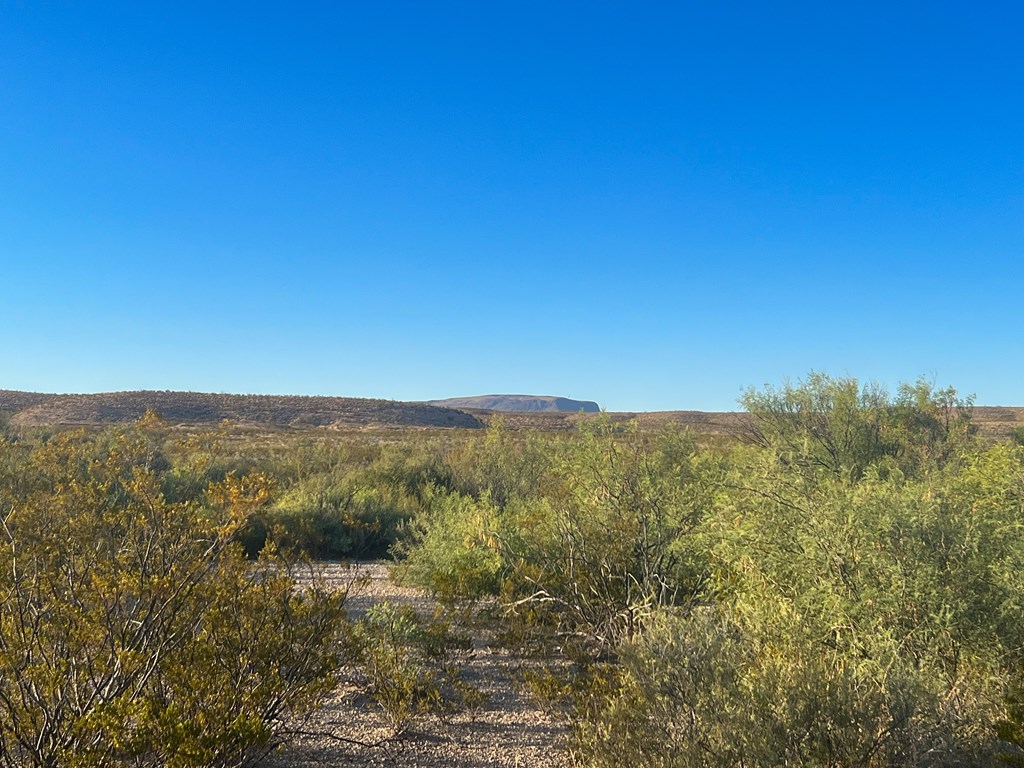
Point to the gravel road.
(507, 730)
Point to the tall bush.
(132, 629)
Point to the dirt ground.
(507, 730)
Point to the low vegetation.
(133, 631)
(838, 585)
(841, 588)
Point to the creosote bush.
(348, 503)
(1011, 727)
(413, 665)
(600, 542)
(450, 548)
(133, 631)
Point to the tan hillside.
(30, 409)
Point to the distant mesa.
(519, 404)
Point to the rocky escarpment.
(520, 404)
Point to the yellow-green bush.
(132, 630)
(413, 665)
(451, 547)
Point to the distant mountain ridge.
(519, 403)
(32, 409)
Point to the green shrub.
(355, 507)
(888, 591)
(133, 631)
(838, 426)
(503, 465)
(413, 666)
(450, 548)
(612, 538)
(1011, 728)
(695, 690)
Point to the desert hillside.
(27, 409)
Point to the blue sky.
(648, 205)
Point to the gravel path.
(507, 730)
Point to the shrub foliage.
(843, 588)
(132, 629)
(840, 588)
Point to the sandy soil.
(507, 730)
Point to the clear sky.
(651, 205)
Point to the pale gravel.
(508, 730)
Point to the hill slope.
(30, 409)
(27, 409)
(520, 404)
